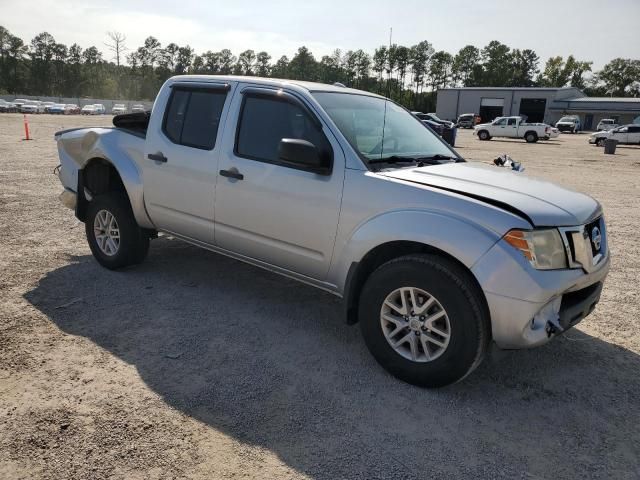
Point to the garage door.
(492, 102)
(491, 108)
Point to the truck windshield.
(378, 129)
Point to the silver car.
(347, 191)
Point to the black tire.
(484, 135)
(531, 137)
(600, 142)
(134, 241)
(451, 285)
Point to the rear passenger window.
(264, 121)
(193, 117)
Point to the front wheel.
(484, 135)
(114, 237)
(423, 320)
(600, 142)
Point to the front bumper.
(529, 307)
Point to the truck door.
(620, 134)
(282, 214)
(181, 158)
(634, 134)
(511, 129)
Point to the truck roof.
(278, 82)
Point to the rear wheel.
(484, 135)
(531, 137)
(114, 237)
(422, 318)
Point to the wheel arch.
(379, 255)
(101, 175)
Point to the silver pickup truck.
(347, 191)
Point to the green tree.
(619, 76)
(263, 64)
(465, 65)
(303, 65)
(281, 68)
(524, 68)
(227, 60)
(440, 70)
(245, 63)
(497, 65)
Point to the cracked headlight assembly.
(543, 249)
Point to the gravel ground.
(193, 365)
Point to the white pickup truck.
(347, 191)
(513, 127)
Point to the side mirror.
(303, 154)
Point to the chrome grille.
(586, 245)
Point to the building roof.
(540, 89)
(604, 99)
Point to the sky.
(596, 30)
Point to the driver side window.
(264, 121)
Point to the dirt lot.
(193, 365)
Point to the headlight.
(543, 248)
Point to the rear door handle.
(157, 157)
(233, 173)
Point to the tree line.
(410, 75)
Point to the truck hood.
(540, 202)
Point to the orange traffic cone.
(26, 128)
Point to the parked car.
(434, 118)
(512, 127)
(137, 108)
(71, 109)
(98, 109)
(18, 102)
(625, 135)
(32, 106)
(57, 109)
(553, 133)
(347, 192)
(569, 123)
(46, 106)
(119, 109)
(468, 120)
(606, 124)
(436, 127)
(7, 107)
(88, 110)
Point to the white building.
(538, 104)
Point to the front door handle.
(157, 157)
(233, 173)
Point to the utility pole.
(389, 61)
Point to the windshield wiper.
(437, 157)
(430, 159)
(394, 159)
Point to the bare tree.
(117, 45)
